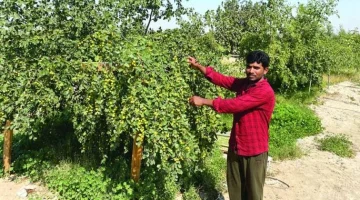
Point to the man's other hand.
(196, 101)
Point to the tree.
(74, 64)
(227, 24)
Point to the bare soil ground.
(318, 175)
(322, 175)
(12, 187)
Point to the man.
(252, 109)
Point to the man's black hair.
(259, 57)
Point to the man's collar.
(261, 81)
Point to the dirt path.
(322, 175)
(12, 188)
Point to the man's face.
(255, 71)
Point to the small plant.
(76, 182)
(191, 194)
(339, 144)
(227, 120)
(351, 98)
(211, 180)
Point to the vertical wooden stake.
(136, 160)
(8, 134)
(328, 83)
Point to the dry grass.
(223, 140)
(226, 60)
(232, 66)
(338, 78)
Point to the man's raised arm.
(227, 82)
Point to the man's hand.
(192, 62)
(196, 101)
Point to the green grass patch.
(75, 182)
(223, 140)
(287, 151)
(339, 145)
(227, 120)
(211, 180)
(290, 122)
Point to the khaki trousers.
(246, 176)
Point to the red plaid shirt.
(252, 109)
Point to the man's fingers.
(191, 59)
(191, 100)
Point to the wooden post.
(8, 134)
(136, 160)
(328, 81)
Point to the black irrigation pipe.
(269, 177)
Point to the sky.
(348, 11)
